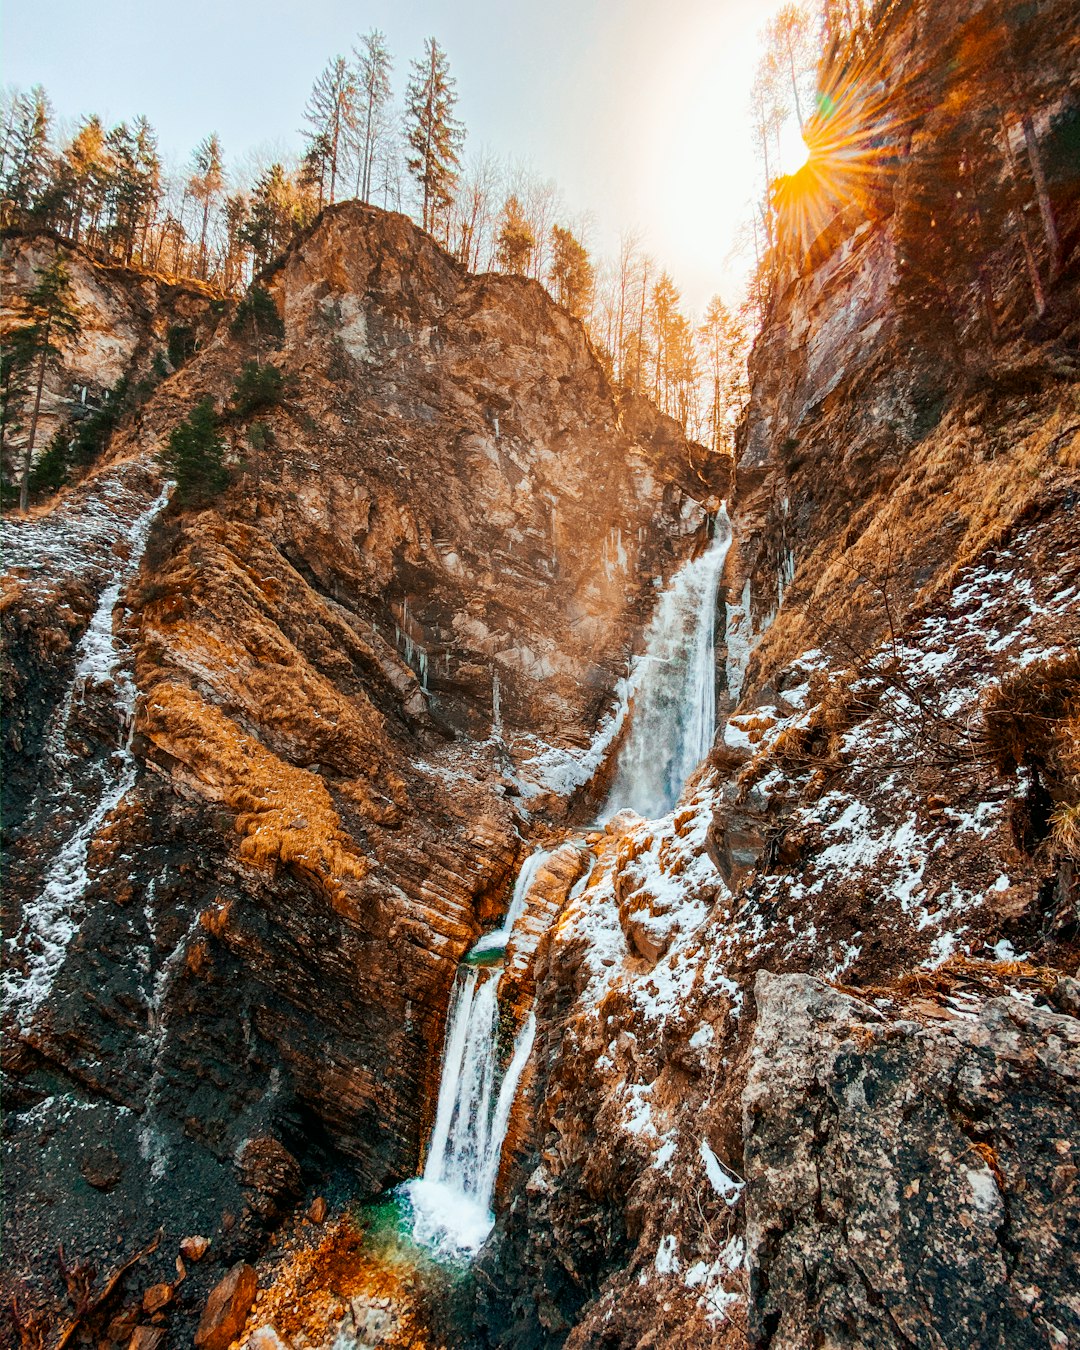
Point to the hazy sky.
(636, 107)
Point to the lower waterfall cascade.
(674, 720)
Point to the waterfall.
(673, 722)
(673, 716)
(451, 1202)
(52, 919)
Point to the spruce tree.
(28, 160)
(515, 242)
(195, 457)
(571, 272)
(206, 184)
(435, 136)
(331, 118)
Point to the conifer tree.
(435, 136)
(373, 68)
(28, 162)
(272, 216)
(515, 242)
(195, 456)
(571, 272)
(86, 165)
(52, 325)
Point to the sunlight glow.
(794, 151)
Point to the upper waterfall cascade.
(672, 728)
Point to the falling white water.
(52, 919)
(673, 716)
(451, 1202)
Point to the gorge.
(499, 874)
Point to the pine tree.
(86, 163)
(28, 158)
(195, 457)
(515, 241)
(52, 326)
(373, 68)
(571, 272)
(272, 216)
(206, 184)
(331, 117)
(434, 134)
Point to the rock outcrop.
(910, 1181)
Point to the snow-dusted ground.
(36, 952)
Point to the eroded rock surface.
(910, 1183)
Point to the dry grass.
(1033, 717)
(966, 488)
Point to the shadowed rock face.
(909, 1182)
(350, 681)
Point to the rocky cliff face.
(278, 756)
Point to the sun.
(794, 151)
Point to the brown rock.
(156, 1297)
(101, 1167)
(317, 1210)
(227, 1308)
(271, 1175)
(146, 1338)
(194, 1248)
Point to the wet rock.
(194, 1248)
(227, 1308)
(898, 1176)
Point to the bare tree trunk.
(1021, 225)
(1046, 210)
(28, 453)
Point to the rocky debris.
(227, 1308)
(317, 1210)
(369, 1322)
(908, 1181)
(147, 1338)
(194, 1248)
(157, 1297)
(265, 1338)
(270, 1175)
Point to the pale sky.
(637, 108)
